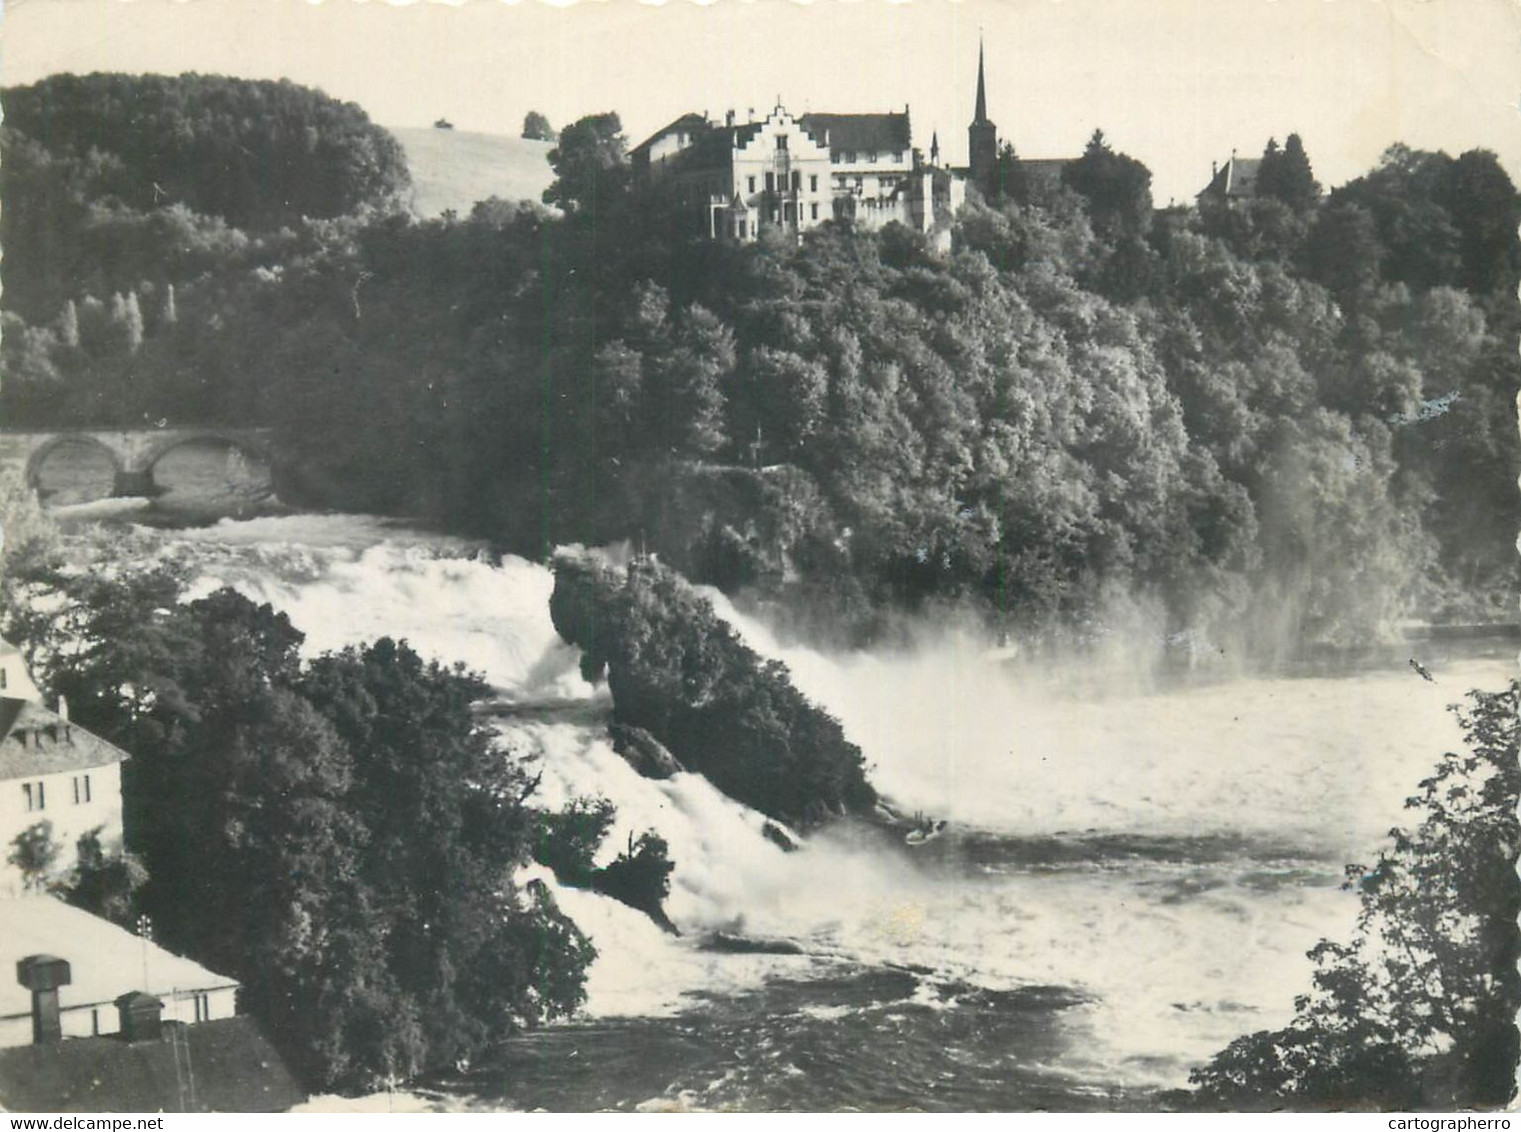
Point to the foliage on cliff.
(1272, 419)
(678, 671)
(340, 836)
(1419, 1010)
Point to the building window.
(815, 207)
(81, 788)
(860, 184)
(898, 158)
(203, 1008)
(94, 1022)
(35, 795)
(781, 142)
(797, 180)
(813, 187)
(834, 156)
(872, 157)
(771, 182)
(752, 184)
(850, 157)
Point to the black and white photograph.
(771, 556)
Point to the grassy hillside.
(455, 168)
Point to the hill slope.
(455, 168)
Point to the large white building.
(794, 173)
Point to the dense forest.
(1273, 419)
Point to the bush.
(568, 841)
(640, 877)
(1419, 1010)
(34, 853)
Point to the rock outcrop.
(643, 751)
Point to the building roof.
(1235, 179)
(35, 741)
(222, 1066)
(687, 122)
(105, 960)
(860, 133)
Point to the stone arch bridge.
(134, 452)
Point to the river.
(1132, 873)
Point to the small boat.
(443, 124)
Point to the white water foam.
(1179, 955)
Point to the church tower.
(982, 136)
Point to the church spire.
(982, 136)
(982, 89)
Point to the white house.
(54, 771)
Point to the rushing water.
(1130, 879)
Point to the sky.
(1175, 83)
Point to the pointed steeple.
(982, 89)
(982, 135)
(935, 148)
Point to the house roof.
(105, 961)
(1236, 178)
(688, 122)
(36, 741)
(860, 133)
(233, 1068)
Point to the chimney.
(141, 1016)
(63, 709)
(729, 118)
(43, 975)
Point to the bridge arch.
(232, 438)
(39, 455)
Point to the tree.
(1295, 182)
(1117, 188)
(590, 163)
(1418, 1010)
(105, 884)
(446, 826)
(33, 854)
(536, 127)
